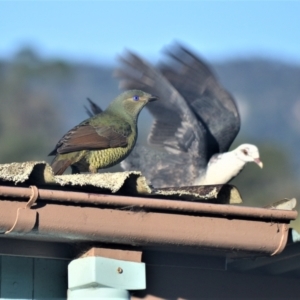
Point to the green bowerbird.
(104, 139)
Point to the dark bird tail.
(59, 165)
(94, 109)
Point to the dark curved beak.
(153, 98)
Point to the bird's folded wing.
(210, 102)
(87, 137)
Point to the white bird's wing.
(213, 106)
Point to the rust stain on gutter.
(159, 223)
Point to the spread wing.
(175, 126)
(87, 137)
(210, 102)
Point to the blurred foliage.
(41, 99)
(29, 118)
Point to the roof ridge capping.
(40, 173)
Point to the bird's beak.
(153, 98)
(259, 162)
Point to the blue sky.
(99, 30)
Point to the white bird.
(195, 122)
(223, 167)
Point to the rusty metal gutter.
(64, 216)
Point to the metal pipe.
(150, 203)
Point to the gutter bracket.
(26, 218)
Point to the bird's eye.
(245, 151)
(135, 98)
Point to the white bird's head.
(248, 153)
